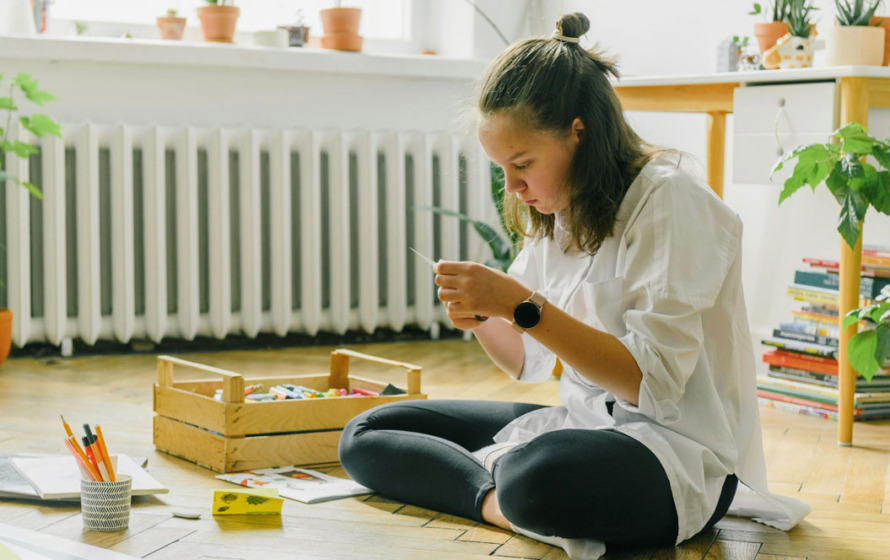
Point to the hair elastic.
(557, 35)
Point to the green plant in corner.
(856, 185)
(859, 12)
(504, 249)
(37, 123)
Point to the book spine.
(794, 374)
(801, 401)
(804, 410)
(808, 348)
(868, 287)
(814, 295)
(800, 362)
(806, 337)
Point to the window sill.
(181, 53)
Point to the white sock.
(577, 549)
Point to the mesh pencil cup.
(105, 506)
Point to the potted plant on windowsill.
(341, 28)
(856, 185)
(855, 40)
(40, 125)
(795, 48)
(768, 33)
(171, 26)
(218, 20)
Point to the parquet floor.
(849, 488)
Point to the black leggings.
(569, 483)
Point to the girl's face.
(536, 163)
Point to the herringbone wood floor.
(849, 488)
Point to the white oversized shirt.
(667, 284)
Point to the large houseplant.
(40, 125)
(856, 39)
(856, 184)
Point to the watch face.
(526, 314)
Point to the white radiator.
(154, 232)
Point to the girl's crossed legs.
(598, 484)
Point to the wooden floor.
(849, 488)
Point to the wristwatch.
(528, 313)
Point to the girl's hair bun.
(573, 25)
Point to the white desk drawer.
(771, 120)
(792, 109)
(753, 156)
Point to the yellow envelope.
(247, 501)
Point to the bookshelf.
(859, 88)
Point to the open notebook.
(58, 478)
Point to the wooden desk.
(860, 88)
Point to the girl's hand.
(470, 289)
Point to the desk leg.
(716, 150)
(854, 107)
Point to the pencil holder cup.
(105, 506)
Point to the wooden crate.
(236, 435)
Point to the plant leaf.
(23, 149)
(848, 223)
(854, 139)
(861, 353)
(33, 190)
(40, 97)
(41, 125)
(850, 318)
(8, 103)
(881, 152)
(26, 82)
(882, 343)
(851, 167)
(880, 194)
(499, 247)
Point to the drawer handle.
(780, 151)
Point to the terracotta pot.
(884, 22)
(218, 23)
(768, 33)
(171, 27)
(854, 46)
(5, 333)
(342, 42)
(341, 29)
(341, 20)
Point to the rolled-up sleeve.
(678, 254)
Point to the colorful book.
(869, 287)
(869, 269)
(814, 411)
(879, 383)
(806, 337)
(802, 347)
(801, 361)
(827, 395)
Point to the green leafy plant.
(854, 183)
(799, 19)
(777, 10)
(868, 349)
(37, 123)
(504, 248)
(856, 12)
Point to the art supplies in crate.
(304, 485)
(238, 433)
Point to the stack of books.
(803, 367)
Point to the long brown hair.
(544, 84)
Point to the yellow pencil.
(105, 456)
